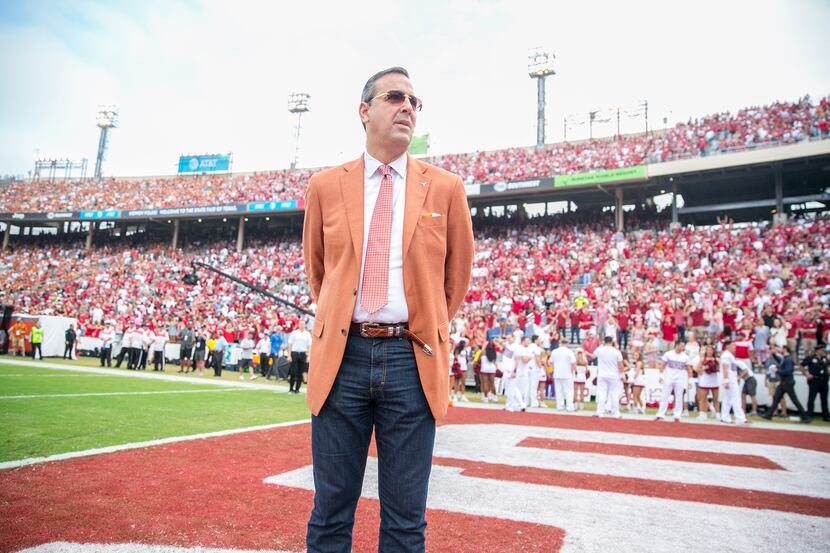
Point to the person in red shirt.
(808, 330)
(589, 346)
(668, 331)
(586, 321)
(561, 320)
(623, 323)
(575, 337)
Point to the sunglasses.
(399, 96)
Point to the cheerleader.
(707, 381)
(638, 382)
(650, 352)
(628, 381)
(515, 374)
(638, 336)
(460, 370)
(580, 379)
(488, 373)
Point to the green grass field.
(46, 425)
(40, 426)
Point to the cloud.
(213, 76)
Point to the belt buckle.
(365, 327)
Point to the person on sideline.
(70, 336)
(610, 369)
(731, 372)
(674, 373)
(388, 251)
(299, 344)
(564, 371)
(36, 340)
(785, 370)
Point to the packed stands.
(774, 124)
(528, 274)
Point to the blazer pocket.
(444, 331)
(432, 221)
(317, 331)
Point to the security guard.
(814, 368)
(37, 342)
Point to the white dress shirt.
(396, 310)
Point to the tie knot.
(385, 170)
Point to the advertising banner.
(216, 163)
(96, 215)
(530, 184)
(273, 206)
(638, 172)
(179, 211)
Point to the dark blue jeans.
(377, 388)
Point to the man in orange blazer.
(388, 250)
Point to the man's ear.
(363, 112)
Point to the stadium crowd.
(777, 123)
(542, 281)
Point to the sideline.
(139, 445)
(150, 375)
(35, 396)
(68, 547)
(793, 426)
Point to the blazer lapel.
(351, 188)
(417, 185)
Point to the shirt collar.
(371, 165)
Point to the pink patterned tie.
(375, 291)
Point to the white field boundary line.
(49, 375)
(67, 547)
(139, 445)
(150, 375)
(794, 427)
(35, 396)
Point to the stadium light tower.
(298, 104)
(539, 67)
(107, 119)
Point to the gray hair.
(369, 87)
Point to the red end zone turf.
(211, 492)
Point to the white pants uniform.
(529, 380)
(731, 399)
(609, 390)
(514, 400)
(674, 381)
(564, 393)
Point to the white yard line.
(151, 375)
(29, 375)
(138, 445)
(794, 427)
(123, 393)
(66, 547)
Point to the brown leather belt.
(389, 330)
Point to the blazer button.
(354, 292)
(343, 331)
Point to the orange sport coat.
(437, 261)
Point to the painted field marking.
(66, 547)
(30, 375)
(124, 393)
(610, 502)
(149, 375)
(641, 451)
(148, 443)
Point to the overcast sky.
(199, 76)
